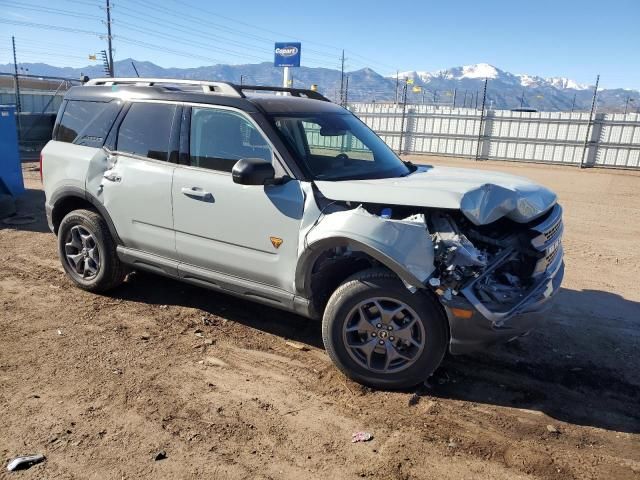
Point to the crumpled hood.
(483, 196)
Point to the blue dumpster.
(11, 181)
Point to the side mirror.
(253, 171)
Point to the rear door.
(246, 231)
(134, 180)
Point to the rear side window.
(146, 130)
(87, 123)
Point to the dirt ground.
(101, 384)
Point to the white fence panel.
(607, 140)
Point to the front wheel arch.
(308, 259)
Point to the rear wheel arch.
(69, 199)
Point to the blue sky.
(571, 38)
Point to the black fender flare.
(63, 193)
(312, 253)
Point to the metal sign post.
(287, 55)
(286, 77)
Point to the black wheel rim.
(82, 253)
(384, 335)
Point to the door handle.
(196, 192)
(112, 177)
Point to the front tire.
(88, 252)
(380, 334)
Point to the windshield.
(338, 146)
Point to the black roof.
(285, 104)
(269, 103)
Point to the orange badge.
(275, 241)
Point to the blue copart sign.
(287, 54)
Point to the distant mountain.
(484, 70)
(504, 91)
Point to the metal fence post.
(404, 115)
(484, 99)
(589, 125)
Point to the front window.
(219, 138)
(338, 146)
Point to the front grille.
(551, 256)
(549, 234)
(547, 239)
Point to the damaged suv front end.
(497, 285)
(403, 262)
(491, 252)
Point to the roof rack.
(222, 88)
(219, 88)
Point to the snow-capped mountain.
(484, 70)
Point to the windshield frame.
(401, 169)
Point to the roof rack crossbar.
(296, 92)
(222, 88)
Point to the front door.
(247, 232)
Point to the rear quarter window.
(146, 130)
(86, 123)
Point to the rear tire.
(380, 334)
(88, 252)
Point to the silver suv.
(290, 200)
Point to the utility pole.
(109, 37)
(342, 79)
(626, 105)
(573, 104)
(404, 116)
(455, 92)
(484, 99)
(15, 70)
(464, 100)
(346, 91)
(593, 108)
(522, 99)
(17, 85)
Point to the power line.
(233, 31)
(189, 30)
(49, 27)
(190, 43)
(159, 48)
(39, 53)
(55, 11)
(255, 27)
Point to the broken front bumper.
(486, 326)
(478, 332)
